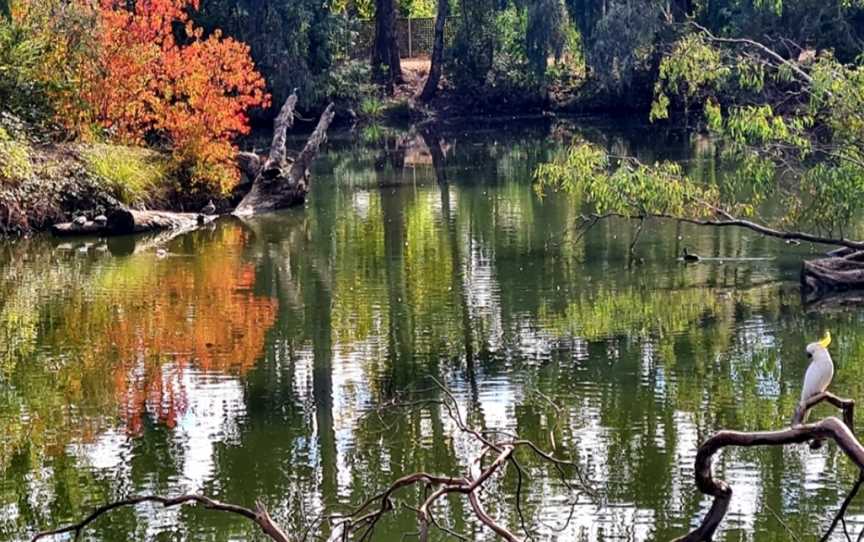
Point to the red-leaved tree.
(157, 77)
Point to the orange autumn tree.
(157, 77)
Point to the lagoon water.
(248, 363)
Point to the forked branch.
(829, 428)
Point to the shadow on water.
(241, 363)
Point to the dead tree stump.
(280, 182)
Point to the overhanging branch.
(259, 515)
(732, 221)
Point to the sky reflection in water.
(242, 364)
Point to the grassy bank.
(43, 183)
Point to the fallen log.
(281, 182)
(123, 221)
(841, 270)
(275, 182)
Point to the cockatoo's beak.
(826, 340)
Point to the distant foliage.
(43, 45)
(545, 33)
(622, 46)
(474, 45)
(293, 43)
(503, 48)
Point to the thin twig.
(786, 526)
(259, 515)
(842, 511)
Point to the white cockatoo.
(821, 369)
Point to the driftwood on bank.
(841, 432)
(495, 455)
(281, 182)
(123, 221)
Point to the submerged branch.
(258, 516)
(360, 523)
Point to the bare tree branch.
(777, 57)
(284, 121)
(360, 523)
(259, 515)
(731, 221)
(841, 513)
(830, 427)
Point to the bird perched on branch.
(821, 369)
(208, 209)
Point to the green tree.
(293, 43)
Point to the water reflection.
(242, 364)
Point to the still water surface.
(243, 364)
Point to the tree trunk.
(281, 182)
(385, 51)
(431, 86)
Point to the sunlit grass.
(372, 107)
(131, 174)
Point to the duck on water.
(687, 257)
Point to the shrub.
(137, 73)
(131, 174)
(372, 107)
(348, 83)
(15, 161)
(194, 92)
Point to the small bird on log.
(100, 219)
(687, 257)
(821, 370)
(208, 209)
(80, 220)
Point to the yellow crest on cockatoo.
(826, 339)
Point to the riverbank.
(569, 94)
(43, 182)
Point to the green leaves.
(692, 67)
(625, 186)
